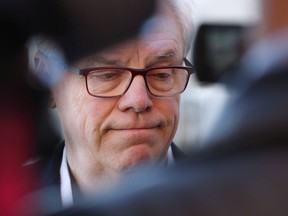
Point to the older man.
(243, 169)
(120, 106)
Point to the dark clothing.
(49, 172)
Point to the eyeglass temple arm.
(188, 63)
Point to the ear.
(41, 67)
(40, 64)
(49, 68)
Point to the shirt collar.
(65, 182)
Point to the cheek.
(172, 115)
(93, 114)
(170, 108)
(72, 102)
(69, 90)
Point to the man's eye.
(106, 75)
(160, 76)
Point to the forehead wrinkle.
(101, 60)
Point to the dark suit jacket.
(48, 191)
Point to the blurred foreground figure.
(78, 26)
(244, 168)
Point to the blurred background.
(201, 102)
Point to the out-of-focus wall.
(201, 104)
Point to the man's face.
(112, 134)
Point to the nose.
(137, 97)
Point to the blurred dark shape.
(244, 168)
(79, 27)
(95, 25)
(17, 123)
(218, 48)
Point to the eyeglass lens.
(115, 82)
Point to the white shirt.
(65, 180)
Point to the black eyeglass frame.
(85, 72)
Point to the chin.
(136, 155)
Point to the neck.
(92, 178)
(95, 184)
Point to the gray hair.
(183, 11)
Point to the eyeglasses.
(108, 82)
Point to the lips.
(134, 122)
(134, 126)
(144, 127)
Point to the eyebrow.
(160, 57)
